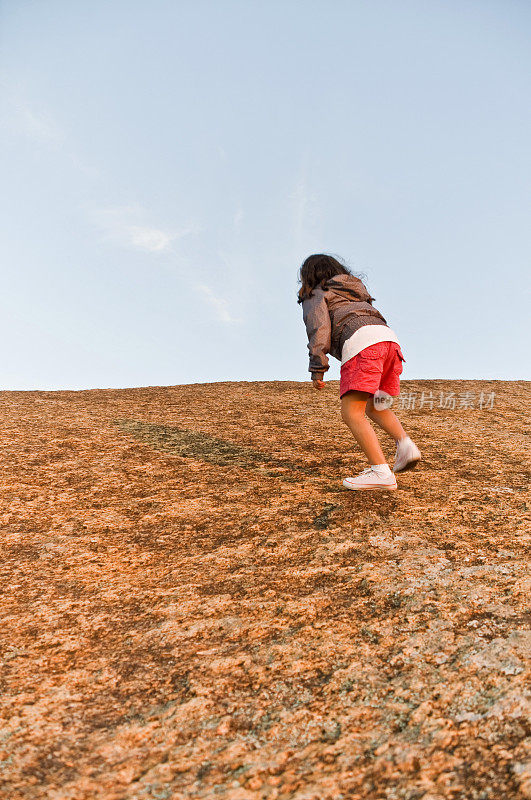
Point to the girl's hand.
(318, 383)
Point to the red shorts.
(375, 367)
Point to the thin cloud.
(219, 304)
(238, 219)
(151, 239)
(36, 123)
(305, 208)
(123, 226)
(29, 119)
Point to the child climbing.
(341, 320)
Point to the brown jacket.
(333, 314)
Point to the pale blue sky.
(169, 164)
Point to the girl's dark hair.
(316, 270)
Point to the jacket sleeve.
(319, 330)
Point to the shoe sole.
(365, 488)
(410, 465)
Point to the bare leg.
(353, 406)
(387, 420)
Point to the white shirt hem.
(364, 337)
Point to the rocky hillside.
(194, 607)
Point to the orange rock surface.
(194, 607)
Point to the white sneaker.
(407, 455)
(369, 479)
